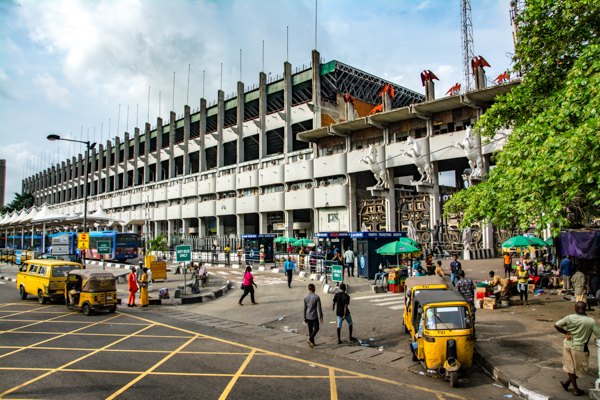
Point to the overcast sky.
(67, 64)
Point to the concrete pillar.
(186, 139)
(125, 160)
(201, 155)
(186, 225)
(386, 101)
(107, 166)
(92, 174)
(146, 152)
(172, 120)
(349, 111)
(118, 161)
(169, 231)
(429, 90)
(81, 170)
(262, 222)
(288, 140)
(435, 210)
(240, 123)
(353, 224)
(240, 224)
(262, 116)
(288, 219)
(220, 123)
(136, 158)
(390, 203)
(159, 136)
(220, 226)
(316, 88)
(201, 228)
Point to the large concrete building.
(2, 182)
(283, 156)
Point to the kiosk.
(340, 240)
(367, 243)
(255, 240)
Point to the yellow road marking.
(97, 334)
(332, 384)
(236, 376)
(24, 312)
(358, 374)
(69, 363)
(158, 364)
(73, 322)
(125, 351)
(35, 323)
(47, 340)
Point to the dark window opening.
(152, 173)
(275, 102)
(152, 145)
(164, 166)
(229, 153)
(211, 124)
(130, 178)
(140, 176)
(179, 137)
(111, 183)
(112, 159)
(275, 141)
(120, 181)
(165, 140)
(195, 130)
(121, 155)
(131, 153)
(302, 93)
(194, 160)
(178, 165)
(297, 128)
(230, 118)
(251, 148)
(211, 157)
(251, 110)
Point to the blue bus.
(124, 246)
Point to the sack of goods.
(163, 293)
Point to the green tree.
(158, 244)
(23, 200)
(549, 168)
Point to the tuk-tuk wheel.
(454, 378)
(112, 309)
(41, 298)
(22, 293)
(87, 310)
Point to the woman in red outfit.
(133, 287)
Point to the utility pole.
(467, 41)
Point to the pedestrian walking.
(144, 300)
(507, 264)
(566, 270)
(312, 314)
(579, 286)
(262, 255)
(342, 300)
(289, 268)
(454, 268)
(248, 286)
(522, 284)
(467, 288)
(139, 272)
(579, 328)
(429, 263)
(349, 258)
(214, 252)
(133, 287)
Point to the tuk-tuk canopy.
(438, 298)
(95, 281)
(434, 280)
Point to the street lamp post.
(89, 147)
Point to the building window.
(301, 185)
(363, 138)
(273, 189)
(332, 180)
(271, 163)
(300, 157)
(331, 145)
(248, 192)
(332, 218)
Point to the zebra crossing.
(237, 277)
(393, 301)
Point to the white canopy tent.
(47, 216)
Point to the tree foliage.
(158, 244)
(549, 168)
(24, 200)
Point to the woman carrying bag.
(144, 301)
(248, 286)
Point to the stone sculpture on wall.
(419, 159)
(473, 153)
(378, 171)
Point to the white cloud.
(424, 5)
(55, 93)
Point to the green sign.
(50, 257)
(104, 247)
(183, 253)
(336, 273)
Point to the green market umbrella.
(550, 242)
(538, 242)
(408, 241)
(519, 241)
(395, 248)
(303, 242)
(288, 240)
(280, 239)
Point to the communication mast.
(467, 41)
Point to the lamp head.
(92, 146)
(53, 137)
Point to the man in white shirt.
(349, 258)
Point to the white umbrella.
(5, 219)
(47, 215)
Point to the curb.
(5, 278)
(514, 385)
(196, 299)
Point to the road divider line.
(239, 372)
(379, 295)
(332, 384)
(388, 303)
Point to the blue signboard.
(260, 236)
(377, 234)
(332, 234)
(18, 256)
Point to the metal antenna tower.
(467, 40)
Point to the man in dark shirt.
(312, 314)
(342, 300)
(467, 288)
(454, 268)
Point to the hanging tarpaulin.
(579, 244)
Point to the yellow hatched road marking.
(69, 363)
(332, 385)
(236, 376)
(158, 364)
(74, 322)
(35, 323)
(125, 350)
(24, 312)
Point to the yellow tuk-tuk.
(442, 332)
(91, 290)
(415, 285)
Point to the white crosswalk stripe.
(394, 301)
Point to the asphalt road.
(49, 352)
